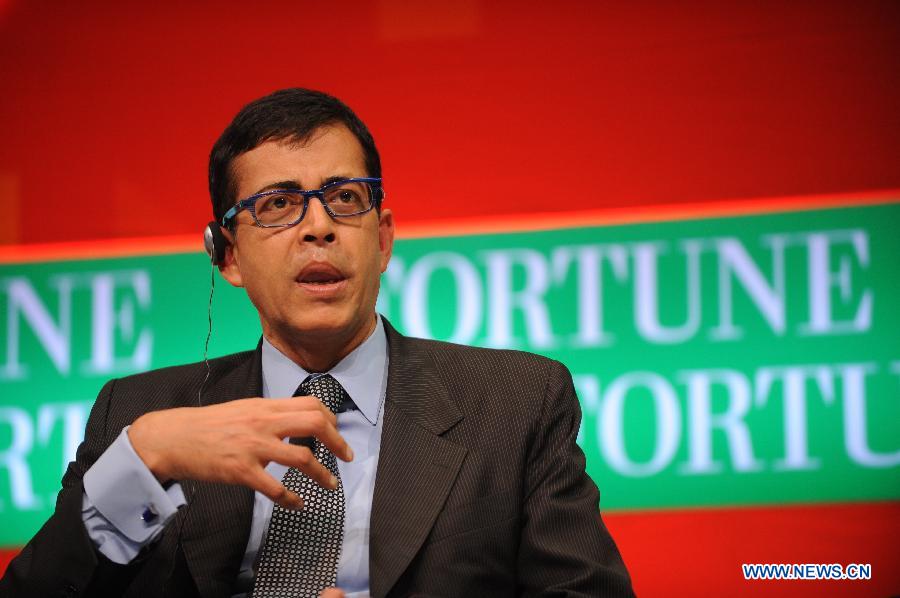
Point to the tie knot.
(325, 388)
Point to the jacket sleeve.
(61, 559)
(565, 548)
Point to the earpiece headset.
(214, 242)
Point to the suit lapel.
(217, 524)
(416, 466)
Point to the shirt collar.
(362, 373)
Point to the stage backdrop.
(693, 205)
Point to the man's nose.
(317, 225)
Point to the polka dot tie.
(300, 555)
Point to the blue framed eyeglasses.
(287, 207)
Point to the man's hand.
(233, 442)
(332, 593)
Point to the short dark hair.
(287, 114)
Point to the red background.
(481, 109)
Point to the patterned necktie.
(301, 551)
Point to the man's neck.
(316, 352)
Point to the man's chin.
(323, 322)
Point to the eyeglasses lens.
(344, 199)
(349, 198)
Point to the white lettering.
(769, 299)
(468, 296)
(793, 379)
(701, 421)
(589, 277)
(530, 300)
(853, 377)
(107, 320)
(53, 337)
(822, 280)
(612, 424)
(73, 417)
(646, 294)
(13, 458)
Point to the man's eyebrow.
(296, 185)
(279, 185)
(335, 179)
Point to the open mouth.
(319, 280)
(320, 276)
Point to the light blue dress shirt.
(120, 492)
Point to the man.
(434, 470)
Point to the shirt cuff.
(125, 492)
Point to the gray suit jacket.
(480, 488)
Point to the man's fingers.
(317, 424)
(303, 459)
(275, 490)
(332, 593)
(299, 404)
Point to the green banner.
(727, 361)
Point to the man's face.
(318, 280)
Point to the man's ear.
(229, 268)
(385, 237)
